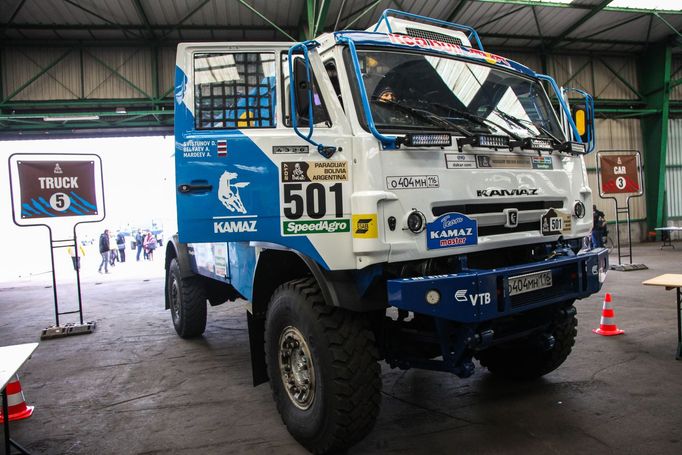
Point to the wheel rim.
(174, 299)
(296, 368)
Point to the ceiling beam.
(572, 27)
(143, 15)
(95, 14)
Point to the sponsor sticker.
(459, 161)
(315, 227)
(314, 171)
(365, 226)
(503, 161)
(542, 162)
(290, 149)
(451, 230)
(404, 182)
(554, 222)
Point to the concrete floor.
(135, 387)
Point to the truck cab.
(395, 194)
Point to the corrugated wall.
(673, 174)
(107, 73)
(596, 75)
(623, 134)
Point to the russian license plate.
(530, 282)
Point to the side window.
(234, 90)
(301, 83)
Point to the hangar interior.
(103, 69)
(106, 68)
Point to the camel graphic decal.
(228, 192)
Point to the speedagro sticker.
(315, 227)
(451, 230)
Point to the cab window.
(234, 90)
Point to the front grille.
(497, 230)
(498, 207)
(427, 34)
(565, 281)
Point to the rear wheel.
(529, 359)
(187, 299)
(323, 368)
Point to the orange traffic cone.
(16, 402)
(607, 325)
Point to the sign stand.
(620, 174)
(55, 189)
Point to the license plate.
(530, 282)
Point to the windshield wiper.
(522, 124)
(476, 119)
(429, 116)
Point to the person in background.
(104, 251)
(113, 251)
(150, 245)
(139, 240)
(598, 227)
(121, 243)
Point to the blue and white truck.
(395, 194)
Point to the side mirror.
(306, 103)
(302, 88)
(305, 92)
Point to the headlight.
(416, 221)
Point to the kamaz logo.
(482, 298)
(514, 192)
(221, 227)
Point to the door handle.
(194, 187)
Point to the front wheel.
(323, 368)
(187, 301)
(527, 359)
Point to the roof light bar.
(427, 140)
(492, 141)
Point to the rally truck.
(396, 194)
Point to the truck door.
(241, 170)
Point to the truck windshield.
(476, 97)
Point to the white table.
(671, 281)
(667, 235)
(11, 359)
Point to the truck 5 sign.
(57, 188)
(620, 173)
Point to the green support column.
(654, 68)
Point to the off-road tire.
(187, 299)
(347, 377)
(524, 360)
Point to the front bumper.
(483, 295)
